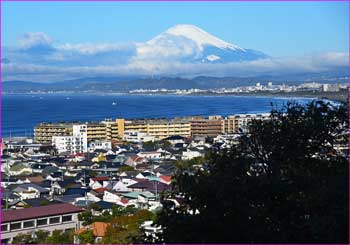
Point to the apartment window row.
(39, 222)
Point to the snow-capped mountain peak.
(190, 44)
(197, 35)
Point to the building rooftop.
(37, 212)
(98, 229)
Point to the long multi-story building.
(111, 130)
(61, 217)
(96, 131)
(235, 123)
(43, 132)
(157, 128)
(105, 130)
(161, 129)
(211, 126)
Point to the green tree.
(59, 237)
(285, 182)
(125, 229)
(86, 237)
(44, 202)
(85, 217)
(126, 168)
(40, 236)
(23, 239)
(150, 145)
(30, 238)
(165, 145)
(92, 174)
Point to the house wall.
(8, 235)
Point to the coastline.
(340, 96)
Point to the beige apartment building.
(161, 129)
(211, 126)
(158, 128)
(105, 130)
(233, 123)
(44, 132)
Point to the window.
(41, 222)
(28, 224)
(4, 227)
(15, 226)
(55, 220)
(67, 218)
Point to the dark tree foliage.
(283, 183)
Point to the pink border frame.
(348, 99)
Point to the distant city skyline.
(54, 41)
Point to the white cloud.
(278, 66)
(92, 48)
(162, 56)
(32, 39)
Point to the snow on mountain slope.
(190, 44)
(197, 35)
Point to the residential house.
(20, 169)
(134, 160)
(98, 230)
(111, 196)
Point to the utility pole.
(8, 180)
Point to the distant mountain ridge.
(126, 84)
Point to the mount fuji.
(189, 43)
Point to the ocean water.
(21, 112)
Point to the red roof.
(124, 200)
(136, 158)
(100, 178)
(100, 190)
(37, 212)
(166, 178)
(98, 229)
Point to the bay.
(21, 112)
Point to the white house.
(120, 187)
(188, 155)
(99, 145)
(111, 196)
(150, 154)
(137, 137)
(128, 181)
(98, 182)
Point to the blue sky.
(44, 39)
(279, 29)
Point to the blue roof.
(80, 191)
(68, 198)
